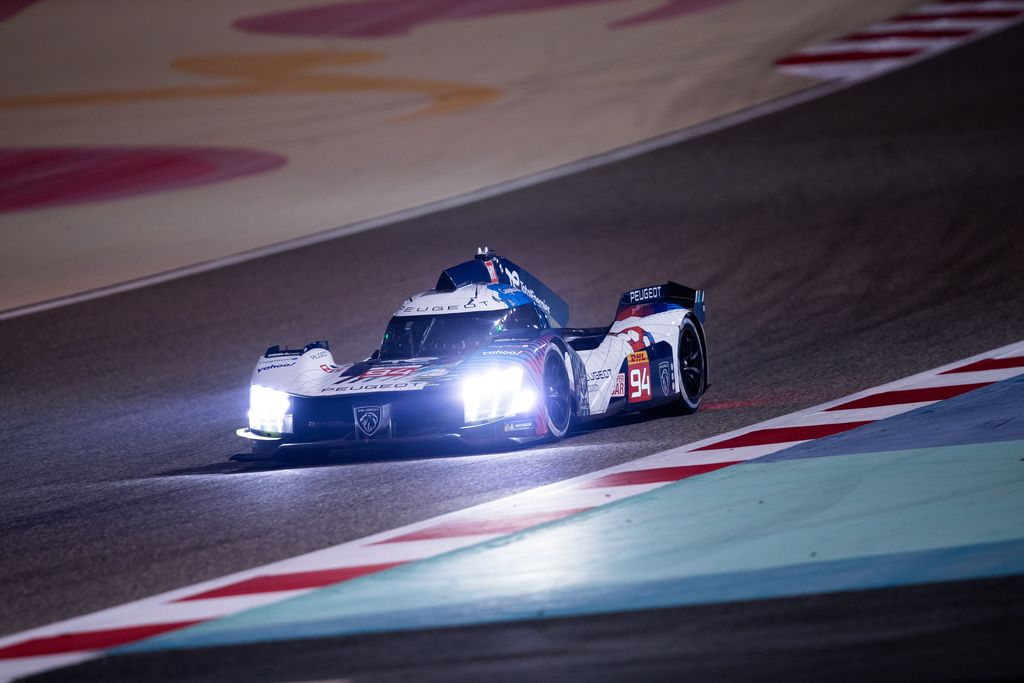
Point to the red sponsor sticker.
(490, 271)
(404, 371)
(639, 377)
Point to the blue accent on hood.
(510, 296)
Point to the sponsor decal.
(516, 281)
(503, 352)
(639, 377)
(644, 294)
(329, 368)
(317, 355)
(368, 419)
(509, 296)
(490, 271)
(479, 303)
(665, 377)
(519, 426)
(620, 385)
(372, 387)
(274, 366)
(597, 375)
(400, 371)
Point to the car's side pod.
(669, 292)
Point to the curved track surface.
(862, 237)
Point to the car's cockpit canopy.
(453, 335)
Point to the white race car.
(483, 357)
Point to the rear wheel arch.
(689, 399)
(704, 347)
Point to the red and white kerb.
(88, 636)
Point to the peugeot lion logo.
(665, 375)
(368, 418)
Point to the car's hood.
(376, 376)
(314, 373)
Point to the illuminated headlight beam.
(494, 393)
(269, 410)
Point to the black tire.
(692, 367)
(557, 393)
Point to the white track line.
(584, 492)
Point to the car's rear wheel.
(557, 395)
(691, 367)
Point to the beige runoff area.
(544, 88)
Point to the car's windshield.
(450, 335)
(456, 334)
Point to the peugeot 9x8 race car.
(483, 357)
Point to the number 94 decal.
(639, 378)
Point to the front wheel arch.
(558, 410)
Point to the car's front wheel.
(557, 395)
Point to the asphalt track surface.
(853, 240)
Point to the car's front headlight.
(269, 410)
(495, 393)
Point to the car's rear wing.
(669, 292)
(489, 268)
